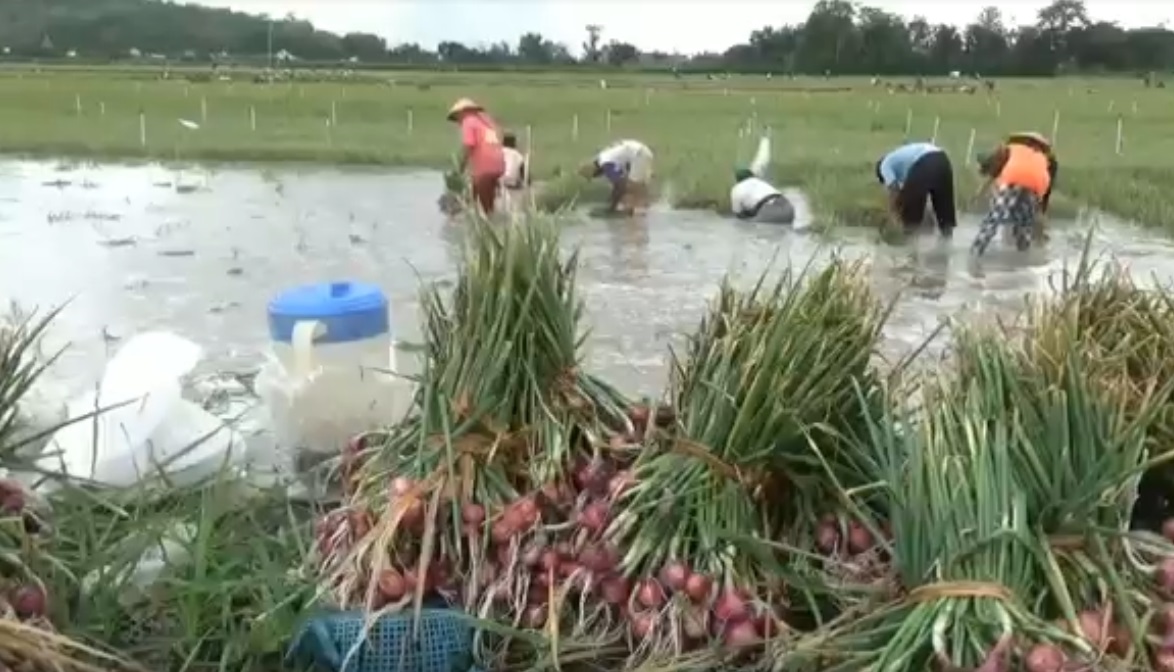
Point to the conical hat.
(1031, 138)
(463, 105)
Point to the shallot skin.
(1045, 658)
(1164, 576)
(29, 601)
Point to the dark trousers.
(930, 178)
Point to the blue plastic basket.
(347, 642)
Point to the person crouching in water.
(913, 174)
(1019, 175)
(628, 166)
(753, 198)
(481, 151)
(516, 176)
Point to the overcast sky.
(666, 25)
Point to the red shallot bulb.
(674, 576)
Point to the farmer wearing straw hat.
(481, 151)
(914, 173)
(1019, 174)
(628, 166)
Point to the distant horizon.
(650, 25)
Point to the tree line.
(837, 38)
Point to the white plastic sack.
(761, 157)
(149, 427)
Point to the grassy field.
(828, 133)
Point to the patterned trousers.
(1012, 206)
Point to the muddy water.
(200, 251)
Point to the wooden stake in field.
(77, 103)
(1120, 134)
(252, 118)
(609, 120)
(647, 97)
(411, 121)
(937, 123)
(969, 147)
(204, 110)
(102, 109)
(1055, 125)
(1135, 107)
(575, 127)
(908, 121)
(998, 109)
(334, 113)
(1112, 104)
(142, 129)
(527, 161)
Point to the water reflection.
(629, 241)
(137, 255)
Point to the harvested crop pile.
(530, 493)
(28, 639)
(1009, 500)
(786, 509)
(1125, 335)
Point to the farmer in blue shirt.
(914, 173)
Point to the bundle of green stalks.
(1009, 499)
(1125, 335)
(569, 189)
(770, 372)
(506, 432)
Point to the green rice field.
(1111, 135)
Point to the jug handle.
(302, 340)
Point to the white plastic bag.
(148, 426)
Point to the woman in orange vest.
(1021, 172)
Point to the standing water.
(201, 251)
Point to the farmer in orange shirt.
(481, 151)
(1021, 172)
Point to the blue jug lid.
(349, 311)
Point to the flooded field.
(200, 251)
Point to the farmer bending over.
(515, 176)
(628, 166)
(1019, 175)
(753, 198)
(481, 151)
(914, 173)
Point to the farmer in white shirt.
(753, 198)
(516, 176)
(628, 166)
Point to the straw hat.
(1031, 138)
(463, 105)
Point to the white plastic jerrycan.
(331, 375)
